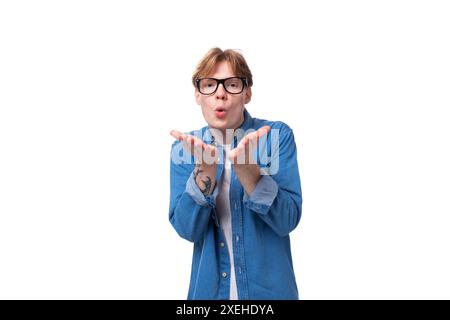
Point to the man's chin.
(217, 124)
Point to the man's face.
(223, 110)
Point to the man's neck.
(224, 136)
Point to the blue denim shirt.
(261, 222)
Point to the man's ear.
(197, 96)
(248, 95)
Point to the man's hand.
(205, 156)
(246, 168)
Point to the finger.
(252, 137)
(240, 154)
(243, 142)
(209, 154)
(195, 140)
(263, 130)
(247, 150)
(198, 150)
(233, 155)
(252, 148)
(189, 143)
(176, 134)
(237, 155)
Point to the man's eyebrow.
(220, 78)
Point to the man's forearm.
(248, 176)
(205, 179)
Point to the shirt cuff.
(194, 191)
(263, 196)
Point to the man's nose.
(220, 92)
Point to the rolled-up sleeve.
(194, 191)
(262, 197)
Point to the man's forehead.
(222, 69)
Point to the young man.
(235, 189)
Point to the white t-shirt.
(224, 213)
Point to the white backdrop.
(89, 91)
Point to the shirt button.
(222, 244)
(224, 274)
(237, 238)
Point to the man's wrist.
(249, 176)
(205, 180)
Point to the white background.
(89, 91)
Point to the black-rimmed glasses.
(233, 85)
